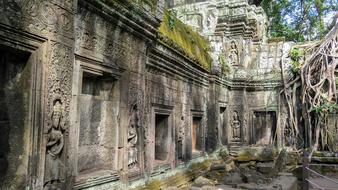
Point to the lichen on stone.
(180, 36)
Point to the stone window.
(91, 84)
(264, 127)
(96, 117)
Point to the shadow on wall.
(14, 103)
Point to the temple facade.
(90, 97)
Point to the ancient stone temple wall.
(90, 98)
(244, 102)
(37, 53)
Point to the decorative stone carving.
(59, 90)
(38, 15)
(195, 21)
(181, 136)
(236, 126)
(133, 137)
(233, 54)
(54, 166)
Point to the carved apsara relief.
(57, 108)
(135, 127)
(134, 124)
(233, 54)
(236, 126)
(54, 165)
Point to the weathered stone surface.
(84, 83)
(252, 176)
(293, 158)
(266, 168)
(229, 167)
(225, 187)
(256, 154)
(250, 165)
(202, 181)
(233, 178)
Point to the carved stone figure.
(132, 138)
(233, 55)
(54, 167)
(236, 126)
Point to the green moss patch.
(180, 36)
(154, 185)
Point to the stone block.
(233, 178)
(266, 168)
(256, 154)
(230, 166)
(202, 181)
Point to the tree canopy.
(300, 20)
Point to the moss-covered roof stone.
(180, 36)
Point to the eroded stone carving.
(54, 166)
(133, 137)
(39, 15)
(233, 55)
(57, 107)
(236, 126)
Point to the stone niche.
(162, 136)
(97, 105)
(197, 134)
(15, 96)
(222, 126)
(264, 127)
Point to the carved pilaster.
(59, 76)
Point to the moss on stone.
(225, 68)
(154, 185)
(180, 36)
(151, 3)
(195, 167)
(256, 154)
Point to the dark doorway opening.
(196, 135)
(222, 126)
(161, 137)
(15, 91)
(265, 127)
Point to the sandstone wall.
(107, 104)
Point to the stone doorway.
(196, 135)
(161, 137)
(264, 124)
(15, 120)
(222, 128)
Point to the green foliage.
(327, 107)
(223, 154)
(224, 65)
(182, 37)
(299, 20)
(296, 55)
